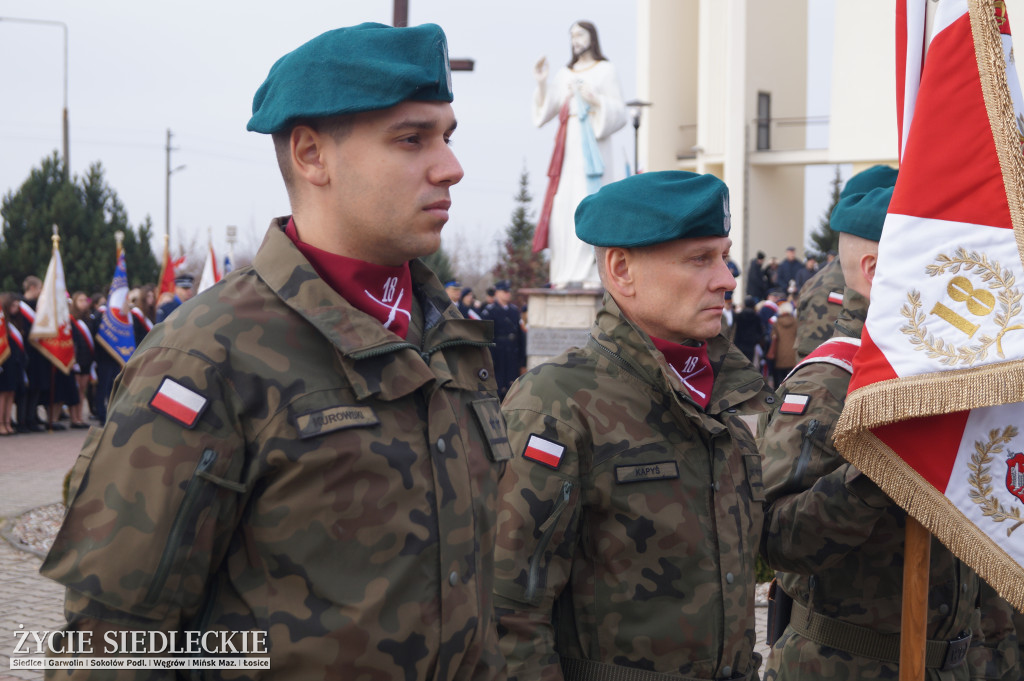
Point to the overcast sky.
(137, 69)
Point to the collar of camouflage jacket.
(851, 318)
(368, 351)
(738, 385)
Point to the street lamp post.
(636, 106)
(64, 27)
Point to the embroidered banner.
(117, 331)
(935, 396)
(51, 327)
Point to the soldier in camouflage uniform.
(630, 519)
(282, 456)
(837, 539)
(821, 299)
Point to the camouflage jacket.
(641, 530)
(995, 652)
(815, 313)
(837, 539)
(337, 488)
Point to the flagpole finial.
(119, 237)
(55, 238)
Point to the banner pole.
(916, 559)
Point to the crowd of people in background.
(763, 324)
(34, 395)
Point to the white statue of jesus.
(588, 91)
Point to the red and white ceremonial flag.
(51, 329)
(210, 273)
(934, 410)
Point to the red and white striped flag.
(211, 275)
(935, 404)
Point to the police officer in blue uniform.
(509, 351)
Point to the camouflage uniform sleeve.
(537, 536)
(816, 500)
(994, 654)
(152, 501)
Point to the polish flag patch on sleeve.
(178, 402)
(544, 451)
(835, 297)
(794, 403)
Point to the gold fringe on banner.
(942, 392)
(938, 514)
(988, 48)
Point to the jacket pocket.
(143, 535)
(556, 522)
(196, 501)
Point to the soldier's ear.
(868, 261)
(307, 155)
(618, 266)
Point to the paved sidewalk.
(32, 470)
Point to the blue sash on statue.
(593, 164)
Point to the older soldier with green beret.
(821, 298)
(631, 515)
(836, 537)
(308, 453)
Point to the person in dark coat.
(757, 281)
(748, 329)
(509, 351)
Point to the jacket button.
(943, 609)
(453, 578)
(441, 446)
(726, 672)
(483, 374)
(729, 578)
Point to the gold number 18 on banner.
(979, 303)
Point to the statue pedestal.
(559, 319)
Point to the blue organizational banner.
(116, 332)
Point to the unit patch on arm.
(182, 404)
(547, 452)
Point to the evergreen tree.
(87, 213)
(519, 264)
(823, 239)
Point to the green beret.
(862, 214)
(651, 208)
(866, 180)
(348, 70)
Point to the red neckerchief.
(692, 367)
(383, 292)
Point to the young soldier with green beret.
(312, 448)
(836, 537)
(631, 515)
